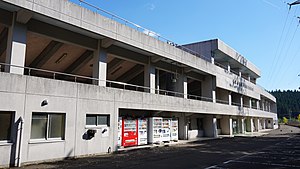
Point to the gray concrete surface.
(278, 149)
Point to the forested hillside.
(287, 101)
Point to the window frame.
(97, 125)
(47, 138)
(12, 113)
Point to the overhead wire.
(286, 56)
(278, 57)
(279, 42)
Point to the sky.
(266, 32)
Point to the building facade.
(70, 77)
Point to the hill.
(288, 102)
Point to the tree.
(285, 120)
(298, 117)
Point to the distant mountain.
(288, 102)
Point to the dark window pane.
(38, 126)
(56, 126)
(91, 119)
(5, 125)
(103, 120)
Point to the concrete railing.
(114, 84)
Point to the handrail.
(110, 83)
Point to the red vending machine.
(129, 132)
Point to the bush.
(285, 120)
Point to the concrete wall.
(24, 94)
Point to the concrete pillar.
(242, 125)
(228, 67)
(251, 125)
(241, 101)
(16, 48)
(181, 85)
(208, 89)
(100, 66)
(263, 123)
(226, 125)
(229, 99)
(149, 77)
(240, 74)
(256, 123)
(157, 81)
(263, 105)
(257, 104)
(249, 78)
(214, 96)
(269, 106)
(210, 126)
(250, 103)
(212, 60)
(183, 127)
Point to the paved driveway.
(279, 149)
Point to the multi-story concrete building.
(68, 74)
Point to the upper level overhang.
(224, 54)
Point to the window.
(47, 126)
(97, 120)
(5, 125)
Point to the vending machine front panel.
(130, 135)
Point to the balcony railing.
(113, 84)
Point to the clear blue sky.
(260, 30)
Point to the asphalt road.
(279, 149)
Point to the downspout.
(20, 142)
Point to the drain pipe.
(20, 141)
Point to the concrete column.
(229, 99)
(214, 96)
(181, 85)
(263, 105)
(210, 126)
(250, 103)
(249, 78)
(256, 121)
(212, 60)
(16, 48)
(269, 106)
(215, 128)
(263, 123)
(251, 125)
(228, 67)
(183, 127)
(242, 101)
(208, 89)
(157, 81)
(240, 74)
(242, 125)
(226, 125)
(257, 104)
(149, 77)
(100, 66)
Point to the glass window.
(91, 120)
(5, 125)
(97, 120)
(39, 126)
(47, 126)
(103, 120)
(56, 126)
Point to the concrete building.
(68, 74)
